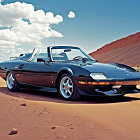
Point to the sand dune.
(125, 51)
(45, 116)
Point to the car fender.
(60, 72)
(69, 70)
(128, 68)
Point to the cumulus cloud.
(71, 14)
(21, 24)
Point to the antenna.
(54, 40)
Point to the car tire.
(11, 82)
(67, 88)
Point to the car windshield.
(69, 54)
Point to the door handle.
(19, 67)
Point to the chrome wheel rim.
(10, 80)
(66, 87)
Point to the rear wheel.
(11, 82)
(67, 88)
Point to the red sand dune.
(125, 51)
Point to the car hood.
(114, 72)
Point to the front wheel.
(67, 88)
(11, 82)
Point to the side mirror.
(96, 60)
(40, 60)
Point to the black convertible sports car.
(71, 71)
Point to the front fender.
(69, 70)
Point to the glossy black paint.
(47, 74)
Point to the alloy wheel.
(10, 80)
(66, 87)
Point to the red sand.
(125, 51)
(47, 117)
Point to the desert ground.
(39, 115)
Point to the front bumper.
(108, 88)
(110, 83)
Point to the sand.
(40, 115)
(125, 50)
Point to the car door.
(37, 73)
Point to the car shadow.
(38, 95)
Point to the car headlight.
(98, 76)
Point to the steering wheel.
(78, 58)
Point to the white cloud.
(22, 25)
(7, 39)
(12, 13)
(71, 14)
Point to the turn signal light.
(82, 82)
(93, 83)
(137, 83)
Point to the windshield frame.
(69, 47)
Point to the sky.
(88, 24)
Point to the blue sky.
(97, 22)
